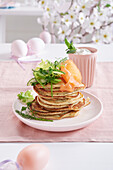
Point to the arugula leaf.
(26, 96)
(71, 48)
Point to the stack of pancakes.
(61, 105)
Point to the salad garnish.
(26, 97)
(47, 72)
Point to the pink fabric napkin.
(13, 80)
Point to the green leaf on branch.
(62, 14)
(107, 5)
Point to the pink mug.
(86, 64)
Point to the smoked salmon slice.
(72, 76)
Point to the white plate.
(86, 116)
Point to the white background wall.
(21, 27)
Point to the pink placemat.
(13, 80)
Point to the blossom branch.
(85, 18)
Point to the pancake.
(57, 97)
(64, 101)
(43, 92)
(69, 114)
(48, 113)
(38, 108)
(54, 106)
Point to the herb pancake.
(69, 114)
(42, 91)
(64, 101)
(36, 107)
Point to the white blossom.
(62, 6)
(43, 3)
(63, 32)
(81, 17)
(66, 19)
(76, 24)
(106, 35)
(84, 9)
(75, 7)
(56, 20)
(76, 38)
(91, 23)
(72, 16)
(97, 38)
(85, 18)
(101, 15)
(49, 11)
(85, 6)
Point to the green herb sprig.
(71, 48)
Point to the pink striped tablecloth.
(13, 80)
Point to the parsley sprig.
(71, 48)
(47, 72)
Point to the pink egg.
(19, 48)
(33, 157)
(45, 36)
(35, 45)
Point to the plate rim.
(49, 124)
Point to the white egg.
(35, 46)
(45, 36)
(33, 157)
(19, 48)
